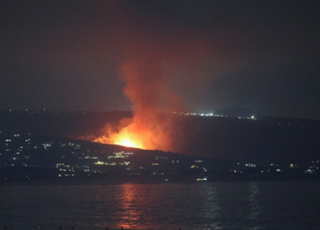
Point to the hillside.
(268, 139)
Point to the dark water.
(222, 205)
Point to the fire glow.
(125, 141)
(125, 138)
(148, 128)
(152, 64)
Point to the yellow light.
(126, 142)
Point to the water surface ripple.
(220, 205)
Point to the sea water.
(214, 205)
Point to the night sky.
(66, 55)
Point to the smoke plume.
(149, 59)
(150, 127)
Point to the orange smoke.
(150, 60)
(150, 127)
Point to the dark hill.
(268, 139)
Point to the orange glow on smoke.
(148, 128)
(153, 132)
(126, 136)
(152, 66)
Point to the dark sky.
(66, 54)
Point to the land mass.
(227, 136)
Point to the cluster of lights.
(252, 117)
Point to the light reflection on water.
(211, 207)
(255, 209)
(199, 206)
(130, 210)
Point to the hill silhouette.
(268, 139)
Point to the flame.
(149, 128)
(127, 142)
(124, 137)
(140, 133)
(151, 64)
